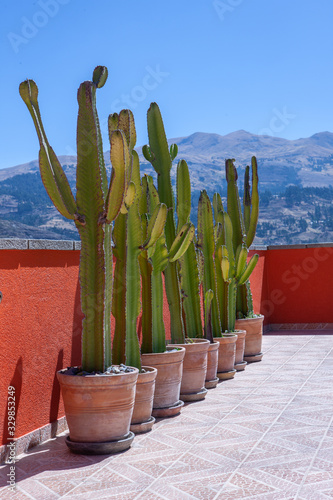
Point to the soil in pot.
(226, 356)
(142, 420)
(253, 339)
(240, 345)
(99, 409)
(212, 360)
(194, 370)
(169, 365)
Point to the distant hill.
(302, 162)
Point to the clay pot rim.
(227, 338)
(227, 335)
(196, 345)
(169, 349)
(259, 316)
(214, 344)
(193, 341)
(150, 374)
(98, 375)
(148, 369)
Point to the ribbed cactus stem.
(189, 272)
(206, 245)
(159, 155)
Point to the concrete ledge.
(285, 247)
(13, 244)
(258, 247)
(23, 244)
(296, 247)
(319, 245)
(38, 436)
(51, 245)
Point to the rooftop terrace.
(267, 434)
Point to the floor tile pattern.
(267, 435)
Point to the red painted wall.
(299, 285)
(40, 318)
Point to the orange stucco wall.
(40, 317)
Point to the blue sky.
(264, 66)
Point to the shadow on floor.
(52, 456)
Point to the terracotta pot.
(194, 370)
(98, 408)
(142, 421)
(240, 345)
(226, 359)
(212, 360)
(253, 339)
(169, 366)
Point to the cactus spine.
(161, 158)
(95, 207)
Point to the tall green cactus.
(153, 262)
(161, 158)
(189, 271)
(95, 207)
(231, 269)
(206, 244)
(244, 223)
(130, 240)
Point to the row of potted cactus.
(132, 221)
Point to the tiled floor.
(266, 434)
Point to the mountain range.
(281, 162)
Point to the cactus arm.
(255, 204)
(241, 260)
(247, 199)
(52, 174)
(159, 155)
(124, 121)
(233, 204)
(156, 225)
(183, 194)
(217, 205)
(182, 242)
(119, 155)
(249, 268)
(208, 315)
(173, 151)
(190, 288)
(207, 246)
